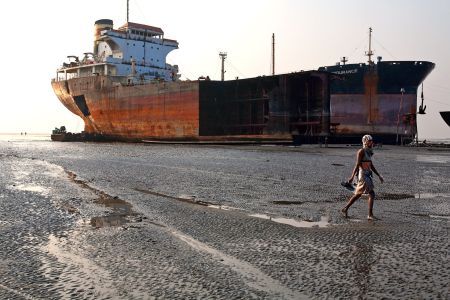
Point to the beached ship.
(379, 98)
(125, 90)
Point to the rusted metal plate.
(356, 114)
(273, 105)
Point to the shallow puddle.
(108, 221)
(440, 159)
(287, 202)
(120, 208)
(431, 195)
(32, 188)
(324, 221)
(392, 196)
(225, 207)
(186, 197)
(400, 196)
(183, 198)
(115, 203)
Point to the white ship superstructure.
(135, 51)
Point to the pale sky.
(38, 36)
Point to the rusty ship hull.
(160, 110)
(341, 103)
(261, 108)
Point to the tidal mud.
(133, 221)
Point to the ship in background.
(125, 90)
(379, 98)
(446, 116)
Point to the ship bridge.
(133, 51)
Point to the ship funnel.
(99, 26)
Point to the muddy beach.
(135, 221)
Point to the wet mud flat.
(132, 221)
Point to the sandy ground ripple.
(133, 221)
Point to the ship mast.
(273, 53)
(128, 10)
(223, 56)
(370, 52)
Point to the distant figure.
(364, 166)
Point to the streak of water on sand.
(324, 221)
(431, 195)
(32, 188)
(440, 217)
(78, 270)
(251, 275)
(440, 159)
